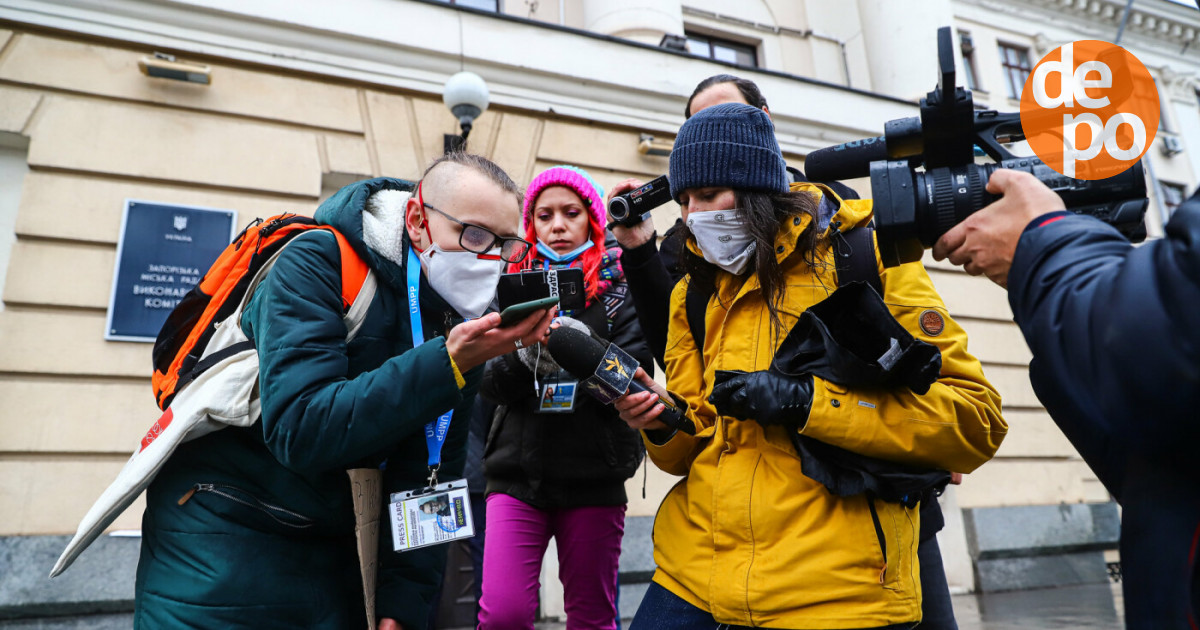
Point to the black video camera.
(915, 208)
(631, 208)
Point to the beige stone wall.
(74, 405)
(261, 142)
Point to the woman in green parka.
(254, 527)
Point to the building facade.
(307, 96)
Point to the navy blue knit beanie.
(731, 145)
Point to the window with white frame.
(1015, 60)
(483, 5)
(966, 45)
(1173, 195)
(722, 49)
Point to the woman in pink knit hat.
(556, 460)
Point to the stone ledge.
(1041, 529)
(1068, 569)
(637, 550)
(100, 581)
(118, 621)
(1040, 546)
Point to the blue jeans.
(663, 610)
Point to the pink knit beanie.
(574, 178)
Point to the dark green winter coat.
(267, 538)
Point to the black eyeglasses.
(480, 240)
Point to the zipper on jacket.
(879, 535)
(250, 501)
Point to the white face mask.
(723, 239)
(465, 280)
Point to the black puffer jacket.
(1115, 335)
(561, 460)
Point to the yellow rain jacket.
(745, 535)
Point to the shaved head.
(470, 188)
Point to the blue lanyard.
(435, 432)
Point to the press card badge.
(557, 396)
(437, 512)
(431, 516)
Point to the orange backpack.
(183, 339)
(205, 369)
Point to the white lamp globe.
(466, 95)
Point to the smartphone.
(517, 312)
(526, 286)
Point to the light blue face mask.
(553, 256)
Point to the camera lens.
(618, 209)
(946, 196)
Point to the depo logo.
(1089, 110)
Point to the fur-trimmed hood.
(370, 214)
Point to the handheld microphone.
(845, 161)
(606, 373)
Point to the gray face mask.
(723, 239)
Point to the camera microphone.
(606, 372)
(845, 161)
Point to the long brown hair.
(765, 215)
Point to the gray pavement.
(1088, 607)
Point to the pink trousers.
(589, 545)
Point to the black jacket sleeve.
(650, 290)
(1113, 331)
(651, 276)
(626, 332)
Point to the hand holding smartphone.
(517, 312)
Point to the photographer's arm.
(984, 243)
(646, 272)
(1112, 327)
(650, 288)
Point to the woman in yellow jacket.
(745, 539)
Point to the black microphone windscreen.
(575, 351)
(845, 161)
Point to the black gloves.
(769, 398)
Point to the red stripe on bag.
(161, 425)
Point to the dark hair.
(765, 215)
(481, 164)
(748, 88)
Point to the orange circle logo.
(1089, 109)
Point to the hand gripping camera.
(631, 208)
(914, 208)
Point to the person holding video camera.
(255, 526)
(653, 271)
(556, 459)
(747, 538)
(1116, 361)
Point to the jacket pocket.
(896, 550)
(255, 507)
(887, 573)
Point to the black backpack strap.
(696, 303)
(855, 257)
